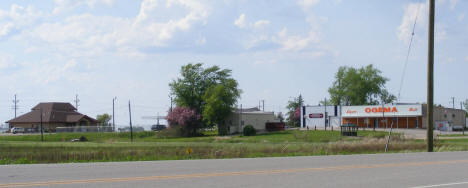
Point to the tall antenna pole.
(131, 128)
(15, 107)
(76, 102)
(430, 78)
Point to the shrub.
(249, 130)
(83, 139)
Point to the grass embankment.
(453, 135)
(151, 146)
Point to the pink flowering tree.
(186, 119)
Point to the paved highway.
(412, 170)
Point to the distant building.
(54, 114)
(401, 115)
(249, 116)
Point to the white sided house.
(239, 118)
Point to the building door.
(376, 123)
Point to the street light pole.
(131, 127)
(113, 114)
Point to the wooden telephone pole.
(430, 79)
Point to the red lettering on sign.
(413, 109)
(381, 109)
(350, 111)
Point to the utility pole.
(453, 102)
(76, 102)
(131, 128)
(339, 86)
(263, 105)
(15, 102)
(171, 102)
(430, 78)
(113, 113)
(325, 116)
(42, 132)
(240, 118)
(383, 115)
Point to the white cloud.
(260, 24)
(16, 18)
(86, 35)
(305, 4)
(240, 22)
(453, 4)
(66, 5)
(6, 61)
(295, 42)
(461, 17)
(412, 11)
(440, 32)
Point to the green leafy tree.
(103, 119)
(359, 87)
(293, 115)
(198, 87)
(219, 102)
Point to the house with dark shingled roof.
(54, 114)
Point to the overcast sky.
(99, 49)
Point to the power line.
(407, 55)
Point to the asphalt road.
(419, 170)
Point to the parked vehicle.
(158, 127)
(457, 128)
(15, 130)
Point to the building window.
(242, 122)
(445, 115)
(453, 115)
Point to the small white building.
(250, 116)
(320, 116)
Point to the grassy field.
(274, 137)
(453, 135)
(57, 148)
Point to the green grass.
(452, 135)
(274, 137)
(25, 149)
